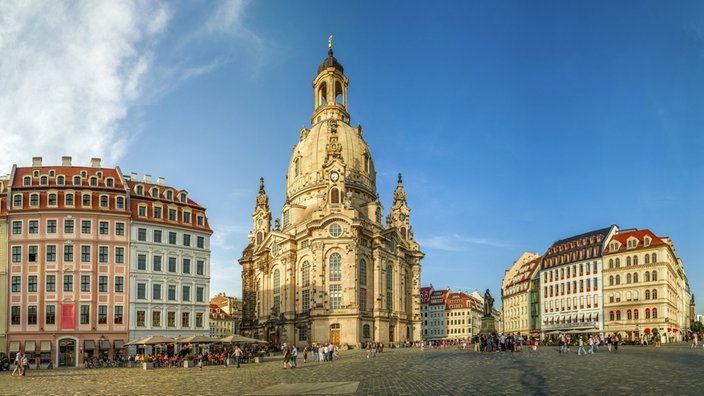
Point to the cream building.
(333, 269)
(3, 261)
(515, 293)
(645, 287)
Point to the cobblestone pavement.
(670, 370)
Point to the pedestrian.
(305, 354)
(287, 355)
(18, 364)
(238, 355)
(580, 344)
(369, 348)
(614, 340)
(25, 364)
(316, 355)
(294, 356)
(325, 352)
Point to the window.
(142, 211)
(32, 253)
(172, 214)
(156, 263)
(17, 254)
(654, 294)
(362, 299)
(68, 253)
(142, 262)
(103, 228)
(157, 212)
(157, 236)
(33, 200)
(172, 293)
(119, 255)
(102, 314)
(119, 284)
(199, 319)
(185, 319)
(32, 283)
(156, 318)
(103, 254)
(187, 217)
(31, 315)
(60, 180)
(141, 234)
(172, 264)
(200, 294)
(186, 266)
(85, 254)
(85, 314)
(305, 274)
(118, 314)
(15, 317)
(156, 291)
(335, 267)
(305, 301)
(200, 220)
(68, 199)
(103, 201)
(86, 200)
(50, 315)
(389, 287)
(141, 318)
(171, 319)
(200, 242)
(51, 283)
(51, 200)
(186, 293)
(362, 272)
(16, 227)
(618, 279)
(335, 296)
(120, 229)
(172, 238)
(186, 240)
(27, 181)
(33, 227)
(51, 226)
(200, 267)
(68, 283)
(120, 203)
(654, 274)
(103, 284)
(85, 283)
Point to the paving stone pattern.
(670, 370)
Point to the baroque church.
(333, 269)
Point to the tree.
(697, 326)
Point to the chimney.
(160, 181)
(36, 162)
(148, 179)
(133, 176)
(66, 161)
(95, 162)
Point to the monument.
(488, 326)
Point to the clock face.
(334, 176)
(402, 217)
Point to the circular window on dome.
(335, 230)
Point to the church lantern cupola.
(330, 88)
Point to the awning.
(89, 345)
(46, 346)
(14, 346)
(30, 346)
(104, 344)
(119, 344)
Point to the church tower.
(332, 270)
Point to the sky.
(514, 123)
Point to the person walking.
(580, 344)
(238, 355)
(294, 356)
(25, 364)
(287, 355)
(305, 354)
(18, 364)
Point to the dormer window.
(109, 182)
(60, 180)
(184, 198)
(84, 174)
(51, 173)
(35, 173)
(170, 195)
(155, 192)
(94, 181)
(44, 180)
(646, 241)
(76, 180)
(140, 190)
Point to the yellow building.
(515, 294)
(645, 287)
(333, 269)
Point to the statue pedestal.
(488, 326)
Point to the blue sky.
(514, 123)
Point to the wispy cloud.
(459, 243)
(71, 71)
(224, 235)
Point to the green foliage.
(697, 327)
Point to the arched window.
(654, 275)
(628, 278)
(654, 258)
(628, 261)
(629, 315)
(334, 195)
(635, 314)
(618, 279)
(335, 267)
(297, 167)
(635, 277)
(655, 313)
(654, 294)
(647, 275)
(277, 281)
(362, 272)
(389, 286)
(305, 274)
(647, 259)
(618, 315)
(618, 263)
(611, 263)
(635, 260)
(647, 294)
(611, 297)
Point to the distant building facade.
(515, 299)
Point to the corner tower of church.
(332, 270)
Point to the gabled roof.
(640, 235)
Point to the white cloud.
(71, 71)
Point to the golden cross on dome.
(330, 42)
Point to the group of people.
(21, 364)
(592, 341)
(324, 353)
